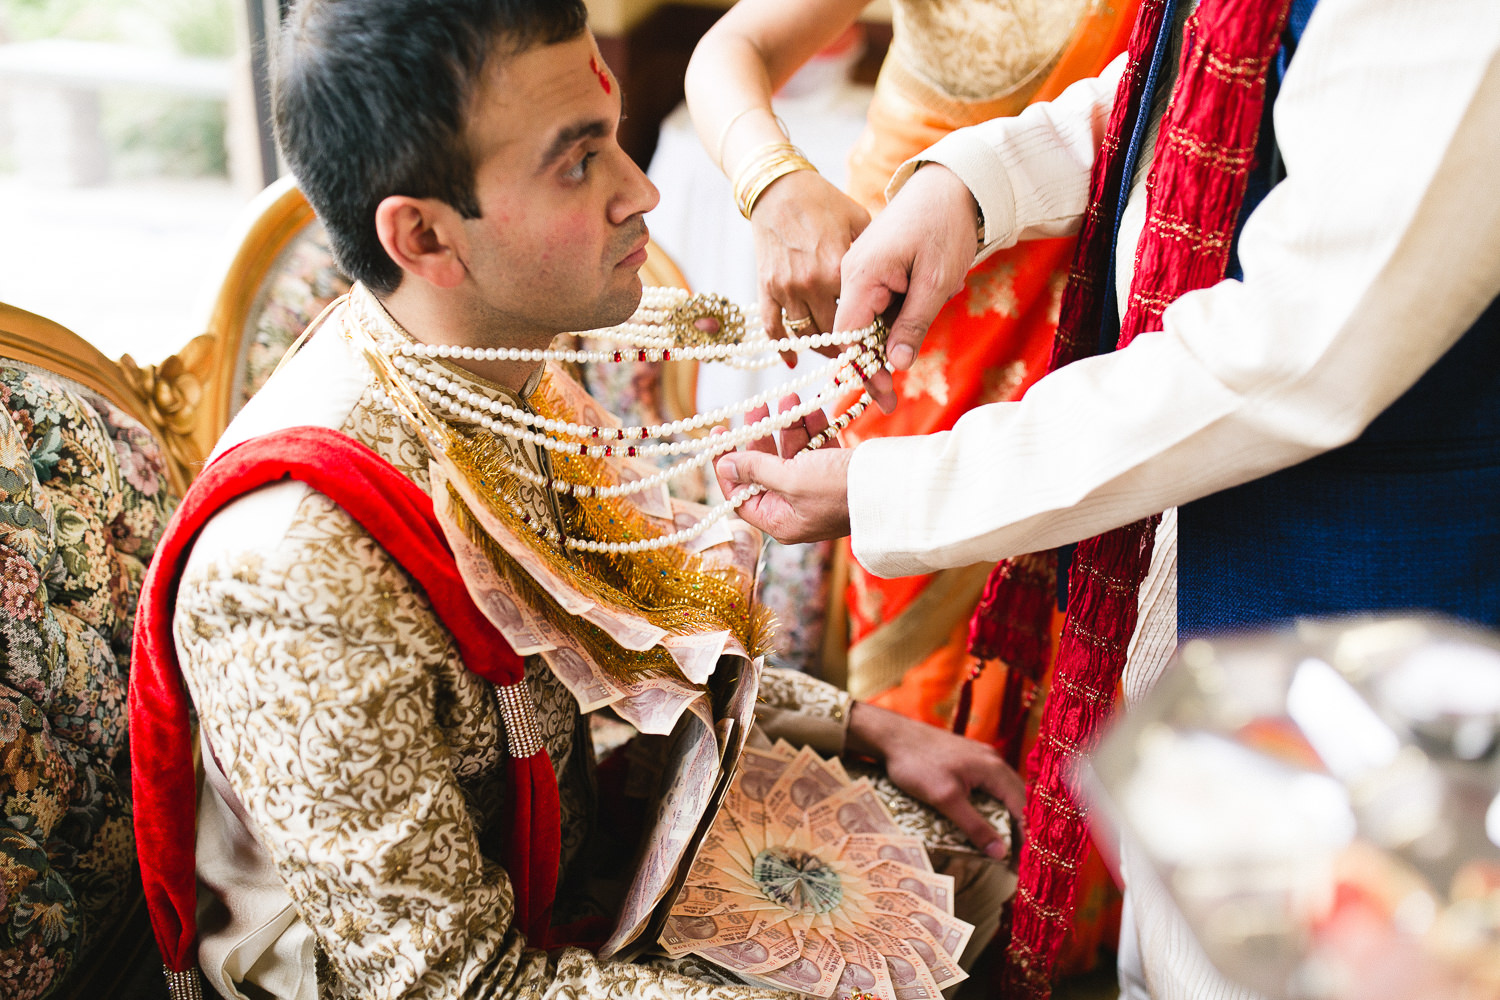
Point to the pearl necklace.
(863, 354)
(708, 448)
(650, 345)
(481, 408)
(753, 350)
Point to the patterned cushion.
(83, 500)
(301, 282)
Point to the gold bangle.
(764, 166)
(755, 160)
(724, 132)
(768, 174)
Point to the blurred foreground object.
(1321, 805)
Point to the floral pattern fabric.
(83, 500)
(303, 281)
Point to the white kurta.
(1361, 269)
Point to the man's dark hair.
(372, 97)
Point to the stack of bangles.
(764, 166)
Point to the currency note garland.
(674, 589)
(805, 883)
(622, 652)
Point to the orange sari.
(908, 636)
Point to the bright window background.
(115, 170)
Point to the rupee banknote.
(935, 889)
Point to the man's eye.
(580, 169)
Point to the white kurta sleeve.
(1030, 173)
(1361, 269)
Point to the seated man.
(351, 834)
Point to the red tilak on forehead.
(600, 72)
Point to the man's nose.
(637, 194)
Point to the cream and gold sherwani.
(354, 770)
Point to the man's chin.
(622, 303)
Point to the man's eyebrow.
(569, 136)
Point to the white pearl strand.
(709, 447)
(714, 516)
(435, 386)
(750, 347)
(664, 476)
(860, 357)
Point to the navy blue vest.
(1407, 517)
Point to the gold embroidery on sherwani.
(372, 761)
(787, 689)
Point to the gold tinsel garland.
(672, 588)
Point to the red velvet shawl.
(1194, 192)
(400, 518)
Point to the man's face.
(561, 235)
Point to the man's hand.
(939, 768)
(920, 246)
(807, 495)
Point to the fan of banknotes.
(805, 883)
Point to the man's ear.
(422, 235)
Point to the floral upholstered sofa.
(84, 495)
(94, 454)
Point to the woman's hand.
(802, 226)
(940, 769)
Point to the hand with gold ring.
(796, 326)
(801, 223)
(802, 227)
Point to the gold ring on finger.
(795, 325)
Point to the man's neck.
(429, 321)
